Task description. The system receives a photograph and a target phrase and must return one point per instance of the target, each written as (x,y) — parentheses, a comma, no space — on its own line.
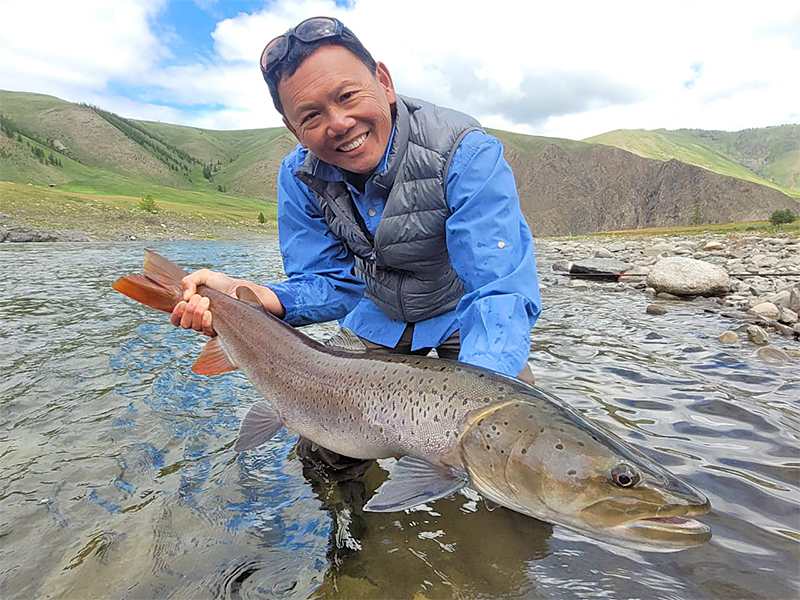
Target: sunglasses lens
(317,28)
(274,51)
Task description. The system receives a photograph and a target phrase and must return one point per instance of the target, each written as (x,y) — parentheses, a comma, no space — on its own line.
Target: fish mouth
(672,528)
(666,534)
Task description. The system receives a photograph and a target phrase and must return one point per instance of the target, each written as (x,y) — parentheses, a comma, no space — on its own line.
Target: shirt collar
(329,172)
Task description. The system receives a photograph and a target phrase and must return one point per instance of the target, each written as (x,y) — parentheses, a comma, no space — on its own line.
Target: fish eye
(625,476)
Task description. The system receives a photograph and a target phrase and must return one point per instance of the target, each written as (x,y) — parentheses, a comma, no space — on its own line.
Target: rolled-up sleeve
(491,249)
(321,285)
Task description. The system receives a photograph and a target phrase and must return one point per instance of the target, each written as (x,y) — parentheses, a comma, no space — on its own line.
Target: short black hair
(300,50)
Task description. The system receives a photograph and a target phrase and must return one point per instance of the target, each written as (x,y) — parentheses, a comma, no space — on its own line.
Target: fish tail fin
(158,286)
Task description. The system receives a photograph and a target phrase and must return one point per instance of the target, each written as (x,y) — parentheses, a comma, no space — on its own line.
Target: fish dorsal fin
(213,359)
(245,294)
(346,340)
(259,425)
(414,481)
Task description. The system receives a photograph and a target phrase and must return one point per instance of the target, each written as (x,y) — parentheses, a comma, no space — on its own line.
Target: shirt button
(371,212)
(501,245)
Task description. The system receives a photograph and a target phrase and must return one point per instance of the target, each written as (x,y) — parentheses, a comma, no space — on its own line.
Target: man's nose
(339,123)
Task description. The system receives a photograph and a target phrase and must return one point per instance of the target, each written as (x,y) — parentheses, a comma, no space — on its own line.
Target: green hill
(768,156)
(565,186)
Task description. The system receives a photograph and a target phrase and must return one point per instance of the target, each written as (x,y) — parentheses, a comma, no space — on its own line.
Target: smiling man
(396,216)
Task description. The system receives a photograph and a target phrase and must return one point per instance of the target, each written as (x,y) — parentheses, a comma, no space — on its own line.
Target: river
(118,478)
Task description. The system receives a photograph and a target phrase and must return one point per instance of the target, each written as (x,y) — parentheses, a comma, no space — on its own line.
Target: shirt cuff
(287,299)
(507,365)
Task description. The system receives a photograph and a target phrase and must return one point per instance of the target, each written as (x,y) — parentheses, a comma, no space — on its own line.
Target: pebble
(765,309)
(772,355)
(655,309)
(757,335)
(729,337)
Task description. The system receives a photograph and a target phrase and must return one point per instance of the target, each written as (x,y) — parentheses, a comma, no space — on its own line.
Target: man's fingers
(187,321)
(199,314)
(208,329)
(177,313)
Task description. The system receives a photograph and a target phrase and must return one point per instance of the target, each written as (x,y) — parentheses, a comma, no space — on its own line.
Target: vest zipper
(400,302)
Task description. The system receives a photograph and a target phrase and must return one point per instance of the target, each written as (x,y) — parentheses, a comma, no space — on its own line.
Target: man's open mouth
(354,144)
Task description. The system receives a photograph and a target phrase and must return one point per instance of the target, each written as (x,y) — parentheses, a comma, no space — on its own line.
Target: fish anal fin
(260,424)
(414,481)
(213,359)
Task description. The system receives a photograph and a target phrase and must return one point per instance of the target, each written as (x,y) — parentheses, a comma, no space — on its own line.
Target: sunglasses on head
(310,30)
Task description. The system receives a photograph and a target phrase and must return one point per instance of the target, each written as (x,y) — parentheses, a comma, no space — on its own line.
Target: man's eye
(347,96)
(308,117)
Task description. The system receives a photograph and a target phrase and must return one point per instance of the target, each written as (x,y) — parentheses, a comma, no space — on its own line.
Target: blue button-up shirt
(489,244)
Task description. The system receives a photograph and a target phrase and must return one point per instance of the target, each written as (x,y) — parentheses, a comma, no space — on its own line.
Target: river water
(118,478)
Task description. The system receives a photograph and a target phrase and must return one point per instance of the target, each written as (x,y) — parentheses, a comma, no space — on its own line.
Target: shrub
(780,217)
(147,203)
(262,218)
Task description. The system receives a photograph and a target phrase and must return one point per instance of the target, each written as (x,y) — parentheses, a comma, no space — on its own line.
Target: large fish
(453,424)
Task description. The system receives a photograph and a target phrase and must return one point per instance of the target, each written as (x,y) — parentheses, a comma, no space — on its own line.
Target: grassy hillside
(769,156)
(564,185)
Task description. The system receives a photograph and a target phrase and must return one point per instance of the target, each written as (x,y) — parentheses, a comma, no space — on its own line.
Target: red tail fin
(159,285)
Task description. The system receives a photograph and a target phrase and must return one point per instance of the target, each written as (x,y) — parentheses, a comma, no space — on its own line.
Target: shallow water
(118,478)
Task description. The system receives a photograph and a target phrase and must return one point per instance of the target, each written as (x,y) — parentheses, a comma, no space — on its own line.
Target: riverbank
(761,273)
(44,214)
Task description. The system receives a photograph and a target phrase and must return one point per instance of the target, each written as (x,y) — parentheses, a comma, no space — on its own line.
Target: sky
(558,69)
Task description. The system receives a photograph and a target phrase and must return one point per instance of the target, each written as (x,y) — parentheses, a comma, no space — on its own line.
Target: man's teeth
(354,144)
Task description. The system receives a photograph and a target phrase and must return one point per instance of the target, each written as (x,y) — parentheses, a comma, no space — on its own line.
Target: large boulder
(683,276)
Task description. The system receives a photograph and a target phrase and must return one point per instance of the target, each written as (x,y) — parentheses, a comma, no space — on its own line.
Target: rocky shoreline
(753,280)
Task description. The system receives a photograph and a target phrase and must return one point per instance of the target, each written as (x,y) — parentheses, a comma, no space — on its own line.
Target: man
(396,216)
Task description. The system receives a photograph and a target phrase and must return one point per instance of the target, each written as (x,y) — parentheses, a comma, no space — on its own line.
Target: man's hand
(193,312)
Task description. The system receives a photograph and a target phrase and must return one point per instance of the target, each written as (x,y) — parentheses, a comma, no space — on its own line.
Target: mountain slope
(596,188)
(565,186)
(769,156)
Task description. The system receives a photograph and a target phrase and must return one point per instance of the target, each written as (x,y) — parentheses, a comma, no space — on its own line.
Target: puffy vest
(406,267)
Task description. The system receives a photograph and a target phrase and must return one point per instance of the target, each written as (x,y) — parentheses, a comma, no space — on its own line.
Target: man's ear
(385,79)
(294,131)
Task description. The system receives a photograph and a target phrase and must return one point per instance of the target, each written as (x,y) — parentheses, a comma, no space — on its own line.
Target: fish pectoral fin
(412,482)
(346,339)
(213,359)
(259,425)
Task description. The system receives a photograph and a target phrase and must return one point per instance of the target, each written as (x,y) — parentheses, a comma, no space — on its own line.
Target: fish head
(538,457)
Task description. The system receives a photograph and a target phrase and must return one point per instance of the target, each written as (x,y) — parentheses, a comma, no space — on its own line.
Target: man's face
(339,110)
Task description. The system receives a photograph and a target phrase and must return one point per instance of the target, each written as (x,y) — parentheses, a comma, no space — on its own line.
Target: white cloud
(571,69)
(76,46)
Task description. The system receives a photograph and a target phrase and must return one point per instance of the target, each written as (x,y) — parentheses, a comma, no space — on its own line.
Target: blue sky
(569,69)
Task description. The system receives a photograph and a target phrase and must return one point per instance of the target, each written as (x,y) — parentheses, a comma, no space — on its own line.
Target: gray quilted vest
(406,267)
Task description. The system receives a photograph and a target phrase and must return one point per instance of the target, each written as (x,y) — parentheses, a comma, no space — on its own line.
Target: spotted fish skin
(363,405)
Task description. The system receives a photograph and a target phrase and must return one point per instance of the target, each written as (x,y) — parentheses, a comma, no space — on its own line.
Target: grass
(763,227)
(212,207)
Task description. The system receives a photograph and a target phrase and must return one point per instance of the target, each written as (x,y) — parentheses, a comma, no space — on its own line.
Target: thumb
(189,287)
